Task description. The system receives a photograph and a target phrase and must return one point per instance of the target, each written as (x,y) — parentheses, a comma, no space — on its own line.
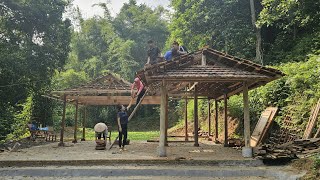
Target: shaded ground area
(137,150)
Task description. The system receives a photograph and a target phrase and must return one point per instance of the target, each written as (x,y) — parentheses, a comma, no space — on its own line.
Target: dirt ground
(136,150)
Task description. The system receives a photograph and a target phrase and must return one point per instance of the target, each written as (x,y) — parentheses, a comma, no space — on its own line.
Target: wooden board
(113,100)
(262,126)
(312,121)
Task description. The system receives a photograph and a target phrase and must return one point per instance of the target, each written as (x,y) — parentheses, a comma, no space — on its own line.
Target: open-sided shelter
(211,74)
(103,91)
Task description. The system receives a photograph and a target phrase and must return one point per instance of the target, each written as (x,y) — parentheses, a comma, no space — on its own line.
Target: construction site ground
(139,161)
(137,150)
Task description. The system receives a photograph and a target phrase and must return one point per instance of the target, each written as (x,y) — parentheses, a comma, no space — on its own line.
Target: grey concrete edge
(39,163)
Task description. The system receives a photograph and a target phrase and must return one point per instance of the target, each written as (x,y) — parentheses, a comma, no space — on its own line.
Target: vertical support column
(84,124)
(225,116)
(204,59)
(63,121)
(167,120)
(216,118)
(196,125)
(162,149)
(209,117)
(186,119)
(75,124)
(247,150)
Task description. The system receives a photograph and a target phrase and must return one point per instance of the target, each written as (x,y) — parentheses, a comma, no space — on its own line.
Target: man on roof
(153,53)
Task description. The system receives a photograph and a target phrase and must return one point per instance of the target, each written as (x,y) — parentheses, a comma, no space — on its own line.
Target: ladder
(131,115)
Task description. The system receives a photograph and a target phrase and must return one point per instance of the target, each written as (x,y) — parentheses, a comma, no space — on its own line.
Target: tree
(34,42)
(259,57)
(140,23)
(222,24)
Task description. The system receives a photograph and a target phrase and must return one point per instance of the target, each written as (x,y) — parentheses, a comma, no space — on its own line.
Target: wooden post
(75,124)
(196,126)
(84,124)
(246,116)
(209,117)
(186,119)
(63,121)
(216,118)
(167,120)
(162,148)
(204,59)
(225,120)
(247,150)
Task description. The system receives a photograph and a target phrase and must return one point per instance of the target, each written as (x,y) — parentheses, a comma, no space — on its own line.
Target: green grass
(132,135)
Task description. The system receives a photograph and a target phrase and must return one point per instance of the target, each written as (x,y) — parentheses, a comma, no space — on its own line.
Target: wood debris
(299,148)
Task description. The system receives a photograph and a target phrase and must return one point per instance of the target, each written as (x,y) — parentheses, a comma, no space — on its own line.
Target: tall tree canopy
(222,24)
(34,41)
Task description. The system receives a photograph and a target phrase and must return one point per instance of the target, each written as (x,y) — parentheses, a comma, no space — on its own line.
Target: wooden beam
(61,143)
(239,90)
(84,124)
(209,117)
(192,87)
(186,119)
(246,115)
(196,125)
(206,78)
(112,100)
(203,60)
(162,148)
(167,120)
(225,116)
(91,91)
(75,124)
(216,118)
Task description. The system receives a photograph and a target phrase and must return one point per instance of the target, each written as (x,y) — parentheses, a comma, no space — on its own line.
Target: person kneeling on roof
(178,50)
(101,129)
(140,90)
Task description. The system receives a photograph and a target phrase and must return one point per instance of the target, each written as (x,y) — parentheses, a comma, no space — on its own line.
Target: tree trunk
(258,33)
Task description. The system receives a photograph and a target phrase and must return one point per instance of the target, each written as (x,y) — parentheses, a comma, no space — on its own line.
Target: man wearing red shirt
(140,89)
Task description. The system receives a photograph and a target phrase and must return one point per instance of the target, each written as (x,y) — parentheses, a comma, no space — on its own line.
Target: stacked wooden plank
(298,148)
(100,144)
(262,126)
(312,122)
(286,133)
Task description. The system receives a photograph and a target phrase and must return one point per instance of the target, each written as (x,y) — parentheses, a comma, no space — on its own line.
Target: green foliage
(222,24)
(69,78)
(19,126)
(294,94)
(34,42)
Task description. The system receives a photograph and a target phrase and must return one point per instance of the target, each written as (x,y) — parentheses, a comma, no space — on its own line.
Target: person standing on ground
(122,120)
(153,53)
(140,90)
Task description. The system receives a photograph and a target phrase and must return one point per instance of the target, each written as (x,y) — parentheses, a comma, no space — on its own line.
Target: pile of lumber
(235,142)
(298,148)
(101,144)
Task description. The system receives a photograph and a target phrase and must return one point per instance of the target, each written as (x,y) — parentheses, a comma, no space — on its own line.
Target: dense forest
(48,45)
